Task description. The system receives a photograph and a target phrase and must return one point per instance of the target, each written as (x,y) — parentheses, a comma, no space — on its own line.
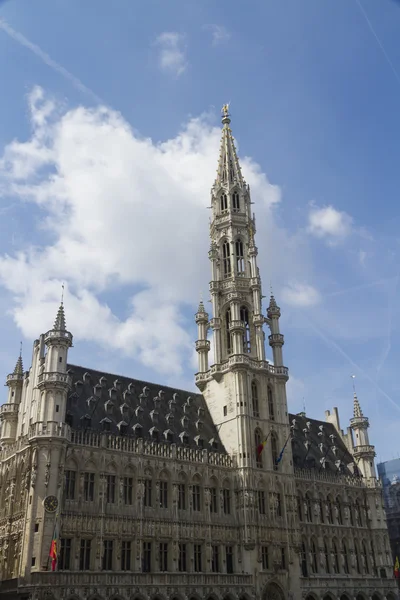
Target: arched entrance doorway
(273,592)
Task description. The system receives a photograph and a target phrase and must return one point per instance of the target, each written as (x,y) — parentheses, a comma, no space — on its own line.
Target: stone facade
(157,493)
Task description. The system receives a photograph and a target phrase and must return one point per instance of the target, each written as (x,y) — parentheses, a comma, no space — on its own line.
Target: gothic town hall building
(155,493)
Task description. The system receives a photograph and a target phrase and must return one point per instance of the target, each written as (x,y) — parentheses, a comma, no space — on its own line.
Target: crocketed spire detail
(59,323)
(228,172)
(357,408)
(19,368)
(201,308)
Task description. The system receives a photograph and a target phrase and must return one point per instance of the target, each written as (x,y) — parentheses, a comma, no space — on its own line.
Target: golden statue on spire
(225,110)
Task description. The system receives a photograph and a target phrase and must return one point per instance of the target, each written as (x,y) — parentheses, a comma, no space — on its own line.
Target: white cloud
(300,294)
(126,217)
(172,52)
(220,34)
(329,223)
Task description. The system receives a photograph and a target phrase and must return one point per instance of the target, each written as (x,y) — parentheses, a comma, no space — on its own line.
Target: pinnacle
(59,323)
(357,408)
(19,368)
(228,172)
(201,308)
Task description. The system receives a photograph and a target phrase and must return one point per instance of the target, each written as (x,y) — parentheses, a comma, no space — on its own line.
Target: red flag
(54,550)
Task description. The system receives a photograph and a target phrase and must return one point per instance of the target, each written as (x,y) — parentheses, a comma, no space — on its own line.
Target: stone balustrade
(50,429)
(55,378)
(314,475)
(9,409)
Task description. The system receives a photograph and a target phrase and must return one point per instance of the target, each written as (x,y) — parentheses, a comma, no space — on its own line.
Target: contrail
(336,347)
(21,39)
(381,46)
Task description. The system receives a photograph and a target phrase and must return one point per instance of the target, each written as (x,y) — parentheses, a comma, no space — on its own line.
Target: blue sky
(108,148)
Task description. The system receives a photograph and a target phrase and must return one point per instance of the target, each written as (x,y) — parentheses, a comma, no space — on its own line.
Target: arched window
(314,563)
(258,441)
(357,513)
(299,511)
(327,567)
(358,560)
(304,570)
(228,333)
(271,404)
(345,558)
(226,259)
(244,317)
(329,511)
(321,511)
(274,451)
(254,398)
(235,202)
(309,512)
(224,203)
(239,256)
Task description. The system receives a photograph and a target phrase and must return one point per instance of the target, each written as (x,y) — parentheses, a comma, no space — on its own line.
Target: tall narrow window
(163,494)
(235,202)
(261,502)
(88,487)
(278,500)
(271,404)
(84,555)
(258,441)
(111,489)
(229,559)
(224,202)
(64,561)
(321,511)
(182,558)
(329,511)
(264,557)
(274,451)
(126,556)
(254,399)
(107,555)
(70,478)
(239,256)
(128,490)
(215,559)
(146,565)
(228,333)
(226,259)
(196,497)
(227,501)
(336,568)
(244,317)
(365,557)
(163,556)
(327,569)
(339,511)
(213,500)
(309,514)
(197,558)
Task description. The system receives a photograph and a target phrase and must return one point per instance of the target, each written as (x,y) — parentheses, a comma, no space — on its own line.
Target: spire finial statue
(62,294)
(225,110)
(20,348)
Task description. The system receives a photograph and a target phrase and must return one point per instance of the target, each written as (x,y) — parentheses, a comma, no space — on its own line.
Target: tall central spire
(228,172)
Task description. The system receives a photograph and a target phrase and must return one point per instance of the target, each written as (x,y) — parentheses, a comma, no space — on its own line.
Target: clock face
(50,503)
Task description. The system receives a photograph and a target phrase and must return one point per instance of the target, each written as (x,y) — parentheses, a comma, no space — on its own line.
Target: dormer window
(138,430)
(184,438)
(154,416)
(224,203)
(200,412)
(117,384)
(108,407)
(112,392)
(78,386)
(86,421)
(123,427)
(127,395)
(199,425)
(161,394)
(131,387)
(146,391)
(90,402)
(69,419)
(169,418)
(156,402)
(139,412)
(124,408)
(199,442)
(172,405)
(155,434)
(86,377)
(175,396)
(184,421)
(235,202)
(97,389)
(106,424)
(103,381)
(213,444)
(169,436)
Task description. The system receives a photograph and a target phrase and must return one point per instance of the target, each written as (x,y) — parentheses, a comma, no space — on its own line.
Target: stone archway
(344,597)
(273,592)
(360,597)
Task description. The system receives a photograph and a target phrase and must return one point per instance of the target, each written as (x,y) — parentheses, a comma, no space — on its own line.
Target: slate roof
(121,405)
(316,442)
(103,402)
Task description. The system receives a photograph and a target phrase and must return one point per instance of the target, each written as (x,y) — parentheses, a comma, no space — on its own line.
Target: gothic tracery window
(226,259)
(224,203)
(239,256)
(258,441)
(235,202)
(254,398)
(228,333)
(314,563)
(271,404)
(274,451)
(244,317)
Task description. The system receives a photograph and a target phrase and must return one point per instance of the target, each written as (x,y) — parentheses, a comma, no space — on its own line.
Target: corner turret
(9,410)
(363,451)
(202,344)
(276,339)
